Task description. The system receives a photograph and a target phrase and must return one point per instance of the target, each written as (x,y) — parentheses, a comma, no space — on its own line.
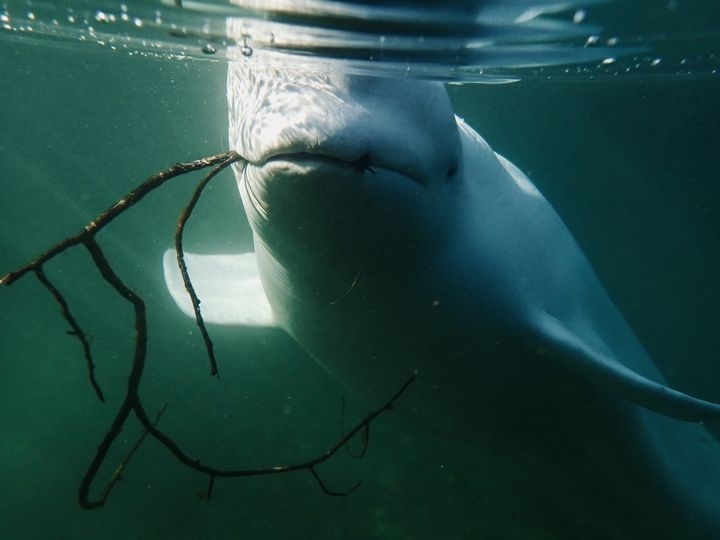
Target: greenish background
(631,165)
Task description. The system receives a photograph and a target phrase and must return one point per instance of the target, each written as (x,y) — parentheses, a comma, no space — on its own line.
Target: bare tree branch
(131,401)
(103,219)
(76,330)
(180,253)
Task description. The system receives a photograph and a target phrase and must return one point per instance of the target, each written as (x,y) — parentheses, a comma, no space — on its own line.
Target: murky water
(614,117)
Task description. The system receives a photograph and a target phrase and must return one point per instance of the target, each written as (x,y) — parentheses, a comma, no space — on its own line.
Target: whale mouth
(362,165)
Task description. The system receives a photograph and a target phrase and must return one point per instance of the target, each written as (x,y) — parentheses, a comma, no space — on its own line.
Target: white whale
(390,240)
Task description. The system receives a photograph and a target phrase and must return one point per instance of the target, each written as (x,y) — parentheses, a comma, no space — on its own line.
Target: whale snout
(405,126)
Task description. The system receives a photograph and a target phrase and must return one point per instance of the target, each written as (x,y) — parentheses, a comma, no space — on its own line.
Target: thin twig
(118,474)
(211,485)
(330,492)
(131,400)
(180,253)
(104,218)
(365,435)
(76,330)
(278,469)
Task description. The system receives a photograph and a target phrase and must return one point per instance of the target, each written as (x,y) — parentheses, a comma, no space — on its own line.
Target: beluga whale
(391,240)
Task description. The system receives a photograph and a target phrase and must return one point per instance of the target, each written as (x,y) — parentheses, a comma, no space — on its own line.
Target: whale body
(391,240)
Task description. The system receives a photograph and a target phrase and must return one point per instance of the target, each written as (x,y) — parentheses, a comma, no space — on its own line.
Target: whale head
(332,160)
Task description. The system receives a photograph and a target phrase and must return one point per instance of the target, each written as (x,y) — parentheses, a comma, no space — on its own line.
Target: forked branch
(131,401)
(135,196)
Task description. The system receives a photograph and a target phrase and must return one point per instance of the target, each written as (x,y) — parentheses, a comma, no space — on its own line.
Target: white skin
(390,240)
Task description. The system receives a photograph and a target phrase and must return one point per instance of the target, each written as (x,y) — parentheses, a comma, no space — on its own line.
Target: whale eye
(451,172)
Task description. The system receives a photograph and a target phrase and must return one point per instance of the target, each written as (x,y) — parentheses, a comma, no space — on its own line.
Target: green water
(631,166)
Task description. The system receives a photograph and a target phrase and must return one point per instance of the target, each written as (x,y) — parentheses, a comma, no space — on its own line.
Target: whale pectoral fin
(228,286)
(603,369)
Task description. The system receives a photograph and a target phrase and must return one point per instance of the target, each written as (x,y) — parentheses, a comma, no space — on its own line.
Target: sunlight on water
(490,41)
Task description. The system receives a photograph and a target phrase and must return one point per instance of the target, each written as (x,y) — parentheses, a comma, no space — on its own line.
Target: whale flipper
(604,369)
(228,286)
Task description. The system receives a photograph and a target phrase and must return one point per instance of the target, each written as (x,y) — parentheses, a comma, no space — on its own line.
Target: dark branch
(278,469)
(118,474)
(365,435)
(329,491)
(76,330)
(118,208)
(211,484)
(180,253)
(132,402)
